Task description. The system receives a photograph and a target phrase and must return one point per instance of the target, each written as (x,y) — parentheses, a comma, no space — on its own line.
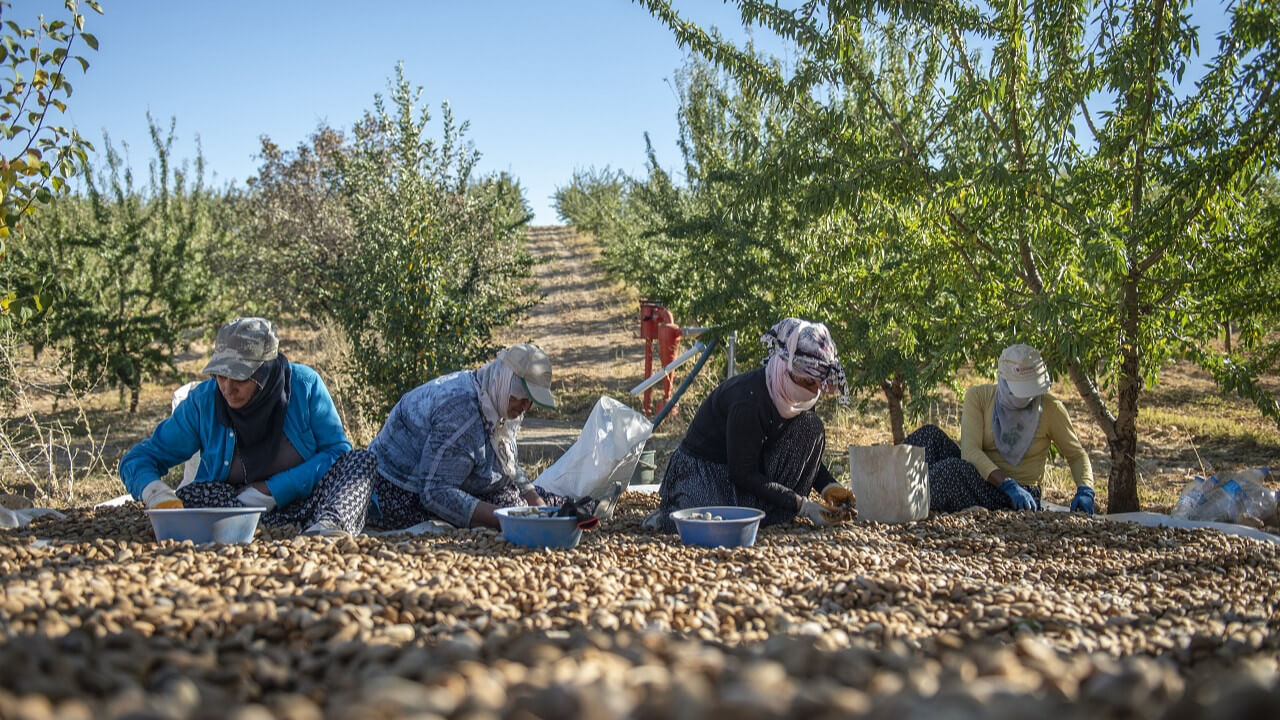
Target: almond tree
(1090,192)
(38,156)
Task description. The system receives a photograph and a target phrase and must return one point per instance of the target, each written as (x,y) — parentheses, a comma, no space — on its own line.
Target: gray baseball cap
(533,367)
(241,347)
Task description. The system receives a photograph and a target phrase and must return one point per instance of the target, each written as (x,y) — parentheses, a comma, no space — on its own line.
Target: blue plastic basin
(737,529)
(203,525)
(538,531)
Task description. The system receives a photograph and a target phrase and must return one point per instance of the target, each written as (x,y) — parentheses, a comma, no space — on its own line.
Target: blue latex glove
(1022,500)
(1083,501)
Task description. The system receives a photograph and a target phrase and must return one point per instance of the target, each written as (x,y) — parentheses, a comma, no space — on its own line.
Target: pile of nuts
(703,516)
(973,614)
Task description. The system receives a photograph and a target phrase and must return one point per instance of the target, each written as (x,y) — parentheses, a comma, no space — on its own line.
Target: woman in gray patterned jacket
(448,449)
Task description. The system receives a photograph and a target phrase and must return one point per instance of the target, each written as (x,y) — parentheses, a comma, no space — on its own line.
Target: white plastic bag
(890,482)
(600,462)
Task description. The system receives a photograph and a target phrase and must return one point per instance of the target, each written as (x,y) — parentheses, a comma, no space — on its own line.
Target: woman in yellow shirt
(1005,432)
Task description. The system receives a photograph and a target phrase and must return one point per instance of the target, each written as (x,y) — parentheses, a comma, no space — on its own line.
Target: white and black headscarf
(805,349)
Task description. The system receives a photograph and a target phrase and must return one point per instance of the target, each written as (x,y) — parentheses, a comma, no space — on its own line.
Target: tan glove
(840,503)
(836,495)
(159,496)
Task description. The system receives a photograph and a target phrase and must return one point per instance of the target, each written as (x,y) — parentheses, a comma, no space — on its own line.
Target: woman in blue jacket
(268,436)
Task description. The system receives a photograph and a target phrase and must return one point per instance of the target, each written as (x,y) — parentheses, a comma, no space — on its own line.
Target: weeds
(47,455)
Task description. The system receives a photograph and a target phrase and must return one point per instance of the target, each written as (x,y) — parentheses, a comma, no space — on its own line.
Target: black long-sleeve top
(734,426)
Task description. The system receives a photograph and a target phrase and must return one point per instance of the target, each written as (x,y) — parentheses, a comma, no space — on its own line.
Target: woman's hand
(159,496)
(1083,501)
(534,499)
(816,514)
(1018,495)
(836,495)
(257,495)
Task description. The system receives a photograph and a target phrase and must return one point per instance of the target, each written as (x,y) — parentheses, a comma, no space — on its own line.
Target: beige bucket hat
(533,367)
(1024,371)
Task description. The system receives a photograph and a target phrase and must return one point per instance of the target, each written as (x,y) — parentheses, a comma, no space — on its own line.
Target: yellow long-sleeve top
(978,440)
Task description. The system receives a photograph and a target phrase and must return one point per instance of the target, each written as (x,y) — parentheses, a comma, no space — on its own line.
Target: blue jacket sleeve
(331,442)
(174,440)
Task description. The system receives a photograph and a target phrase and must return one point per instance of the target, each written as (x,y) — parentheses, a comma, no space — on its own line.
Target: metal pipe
(671,366)
(688,380)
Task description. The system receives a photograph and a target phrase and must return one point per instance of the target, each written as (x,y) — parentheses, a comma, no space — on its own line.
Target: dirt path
(585,323)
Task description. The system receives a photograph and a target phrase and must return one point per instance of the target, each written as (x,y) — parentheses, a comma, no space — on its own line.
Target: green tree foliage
(439,263)
(594,200)
(747,219)
(296,236)
(37,156)
(1070,186)
(126,268)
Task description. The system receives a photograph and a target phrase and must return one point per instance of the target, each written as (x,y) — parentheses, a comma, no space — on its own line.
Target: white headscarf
(788,398)
(494,379)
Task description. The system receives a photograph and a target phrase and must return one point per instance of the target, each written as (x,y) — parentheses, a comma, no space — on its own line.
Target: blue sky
(547,86)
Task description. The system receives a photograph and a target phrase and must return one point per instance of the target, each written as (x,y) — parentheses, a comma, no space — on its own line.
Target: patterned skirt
(342,496)
(954,483)
(792,461)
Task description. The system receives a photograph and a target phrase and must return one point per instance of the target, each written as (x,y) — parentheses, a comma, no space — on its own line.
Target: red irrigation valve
(657,323)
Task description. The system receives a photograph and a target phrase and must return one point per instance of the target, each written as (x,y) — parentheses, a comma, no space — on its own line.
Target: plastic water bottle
(1191,497)
(1221,504)
(1259,500)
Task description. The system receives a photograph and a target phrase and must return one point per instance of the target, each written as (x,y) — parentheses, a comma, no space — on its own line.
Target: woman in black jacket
(756,441)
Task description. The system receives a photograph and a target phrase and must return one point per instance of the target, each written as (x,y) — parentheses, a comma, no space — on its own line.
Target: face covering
(788,398)
(1014,422)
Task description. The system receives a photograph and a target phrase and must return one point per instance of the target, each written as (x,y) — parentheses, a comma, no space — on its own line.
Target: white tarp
(1151,519)
(20,518)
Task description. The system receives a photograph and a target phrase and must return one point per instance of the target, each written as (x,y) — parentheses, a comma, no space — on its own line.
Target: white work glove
(159,496)
(815,512)
(253,497)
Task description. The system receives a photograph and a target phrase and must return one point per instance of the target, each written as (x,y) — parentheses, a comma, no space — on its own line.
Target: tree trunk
(1122,484)
(134,392)
(1226,335)
(893,393)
